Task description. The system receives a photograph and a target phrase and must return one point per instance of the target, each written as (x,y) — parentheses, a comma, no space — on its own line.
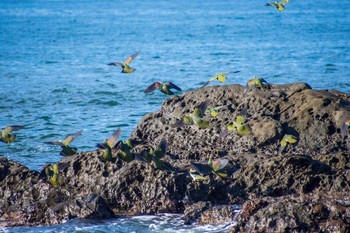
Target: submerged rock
(260,172)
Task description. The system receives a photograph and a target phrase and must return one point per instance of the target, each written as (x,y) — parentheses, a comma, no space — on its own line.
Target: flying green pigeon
(66,149)
(221,77)
(279,5)
(213,111)
(196,117)
(125,65)
(255,82)
(344,127)
(240,125)
(163,87)
(5,135)
(108,145)
(212,166)
(53,177)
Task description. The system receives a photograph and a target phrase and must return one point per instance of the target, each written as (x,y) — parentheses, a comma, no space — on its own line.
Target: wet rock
(261,174)
(316,212)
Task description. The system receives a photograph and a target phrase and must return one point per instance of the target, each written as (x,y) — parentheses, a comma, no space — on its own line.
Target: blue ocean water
(53,56)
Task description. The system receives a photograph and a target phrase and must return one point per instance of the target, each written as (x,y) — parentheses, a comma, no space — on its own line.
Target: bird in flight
(279,5)
(126,64)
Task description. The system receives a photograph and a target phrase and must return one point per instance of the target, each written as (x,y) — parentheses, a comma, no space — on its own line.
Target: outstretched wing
(112,141)
(284,2)
(219,164)
(151,88)
(205,84)
(11,128)
(202,107)
(163,145)
(202,168)
(115,64)
(55,143)
(70,138)
(343,130)
(172,85)
(129,59)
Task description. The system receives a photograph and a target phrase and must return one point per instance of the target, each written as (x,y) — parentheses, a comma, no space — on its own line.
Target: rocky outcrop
(261,174)
(313,212)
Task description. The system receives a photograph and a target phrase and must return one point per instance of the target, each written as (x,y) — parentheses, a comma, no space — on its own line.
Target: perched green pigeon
(255,82)
(196,117)
(108,145)
(212,166)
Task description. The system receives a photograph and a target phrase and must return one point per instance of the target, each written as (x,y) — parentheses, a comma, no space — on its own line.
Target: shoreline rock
(259,175)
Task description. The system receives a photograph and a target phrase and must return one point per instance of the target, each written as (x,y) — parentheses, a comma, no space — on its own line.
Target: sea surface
(54,77)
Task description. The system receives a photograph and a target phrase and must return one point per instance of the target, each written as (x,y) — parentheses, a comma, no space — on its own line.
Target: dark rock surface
(314,173)
(313,212)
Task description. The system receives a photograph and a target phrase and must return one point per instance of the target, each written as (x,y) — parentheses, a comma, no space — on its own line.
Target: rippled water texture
(167,223)
(53,56)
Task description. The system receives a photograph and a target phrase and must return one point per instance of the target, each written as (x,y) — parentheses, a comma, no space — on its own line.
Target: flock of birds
(198,117)
(124,149)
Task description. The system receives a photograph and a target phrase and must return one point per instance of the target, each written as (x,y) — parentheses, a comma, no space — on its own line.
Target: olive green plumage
(287,139)
(108,145)
(221,77)
(163,87)
(212,166)
(256,82)
(196,117)
(126,64)
(66,149)
(53,176)
(279,5)
(124,151)
(5,133)
(240,125)
(155,154)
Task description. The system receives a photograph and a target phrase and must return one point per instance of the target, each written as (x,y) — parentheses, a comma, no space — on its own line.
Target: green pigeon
(221,77)
(158,153)
(196,175)
(108,145)
(213,111)
(125,65)
(154,154)
(279,5)
(5,135)
(66,149)
(124,151)
(196,117)
(240,125)
(212,166)
(198,114)
(287,139)
(163,87)
(344,127)
(53,177)
(255,82)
